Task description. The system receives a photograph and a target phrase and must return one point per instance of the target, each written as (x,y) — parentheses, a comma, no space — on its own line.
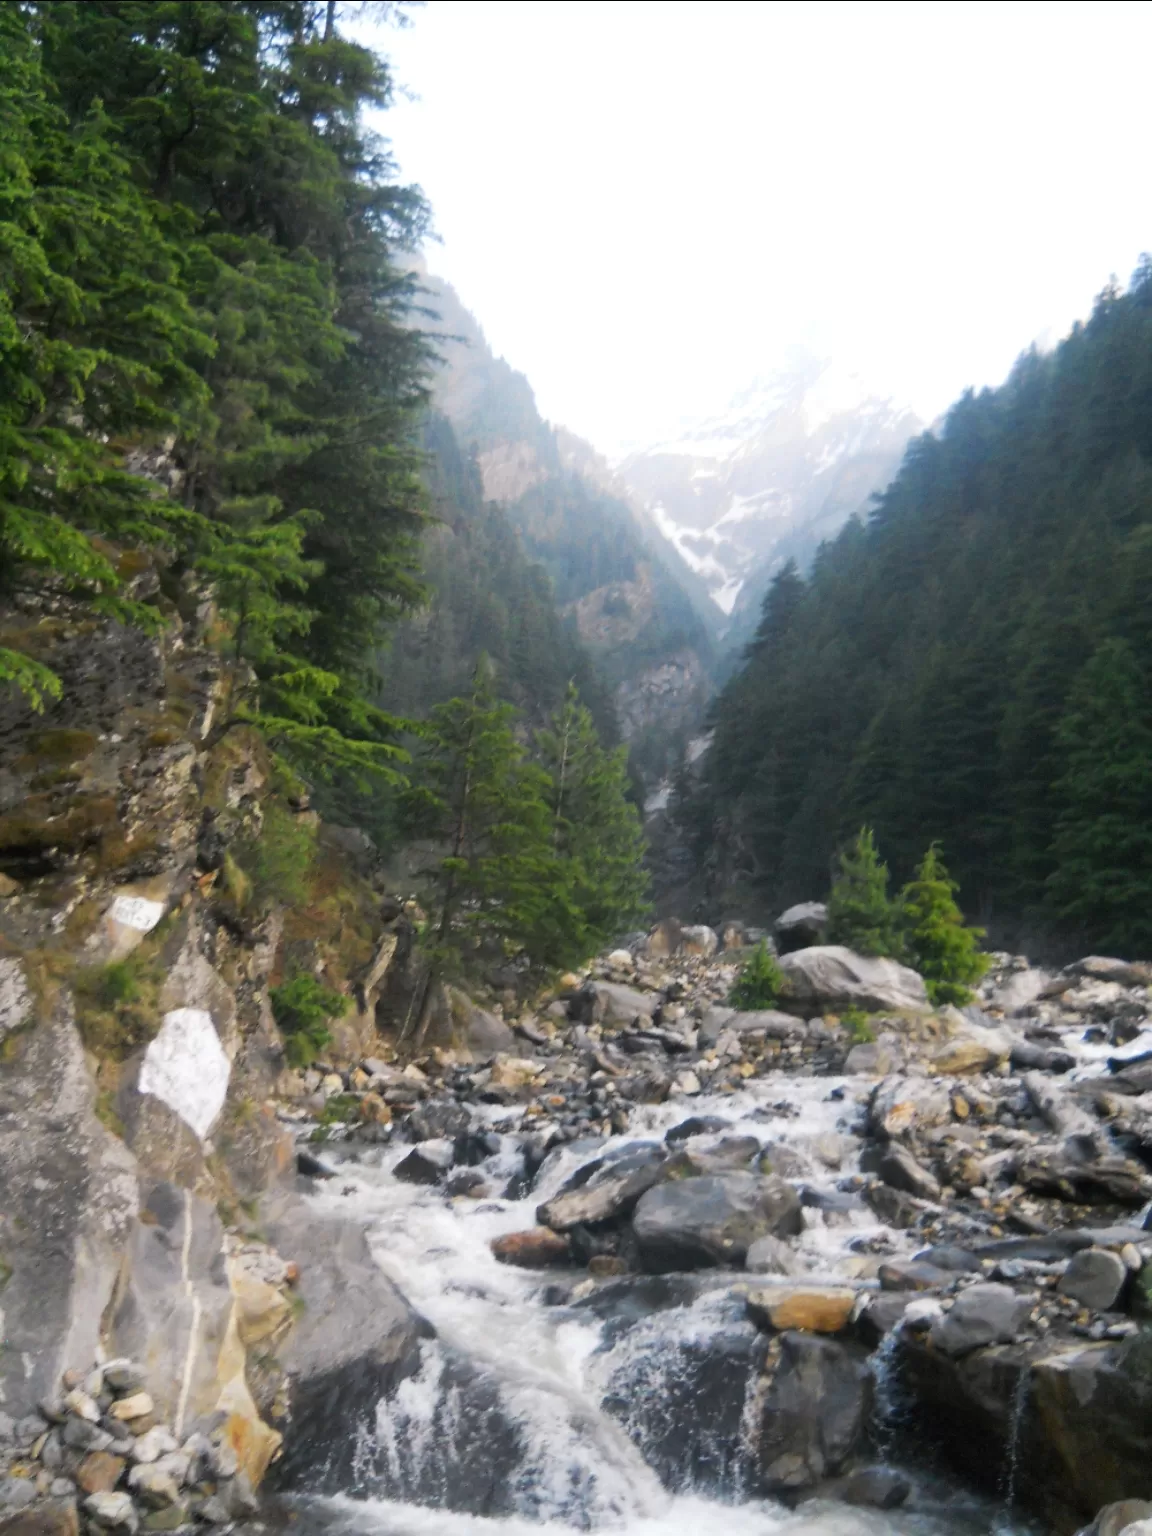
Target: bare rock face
(69,1199)
(827,977)
(810,1412)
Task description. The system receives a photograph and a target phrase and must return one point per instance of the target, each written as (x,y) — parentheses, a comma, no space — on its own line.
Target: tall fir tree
(860,914)
(595,829)
(497,882)
(935,940)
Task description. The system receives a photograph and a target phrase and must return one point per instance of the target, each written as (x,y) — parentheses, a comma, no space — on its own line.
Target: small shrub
(281,860)
(858,1025)
(302,1007)
(760,983)
(116,1010)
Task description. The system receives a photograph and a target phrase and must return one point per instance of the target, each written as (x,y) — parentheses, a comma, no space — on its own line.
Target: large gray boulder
(801,926)
(826,977)
(983,1314)
(608,1002)
(712,1220)
(753,1024)
(809,1416)
(353,1340)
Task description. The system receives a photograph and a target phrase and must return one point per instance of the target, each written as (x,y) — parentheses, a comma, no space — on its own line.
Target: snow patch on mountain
(789,460)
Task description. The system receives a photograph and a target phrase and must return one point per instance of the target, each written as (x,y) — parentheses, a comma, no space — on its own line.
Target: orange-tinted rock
(535,1249)
(806,1308)
(99,1472)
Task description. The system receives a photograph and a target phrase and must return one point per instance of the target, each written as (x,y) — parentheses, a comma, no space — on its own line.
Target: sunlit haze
(645,203)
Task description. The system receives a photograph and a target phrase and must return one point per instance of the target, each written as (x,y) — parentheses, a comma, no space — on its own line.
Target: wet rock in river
(535,1249)
(982,1314)
(900,1169)
(877,1488)
(712,1220)
(806,1308)
(1094,1277)
(809,1415)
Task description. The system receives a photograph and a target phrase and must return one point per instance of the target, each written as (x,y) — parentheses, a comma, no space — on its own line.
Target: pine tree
(498,884)
(1103,836)
(595,830)
(936,942)
(860,914)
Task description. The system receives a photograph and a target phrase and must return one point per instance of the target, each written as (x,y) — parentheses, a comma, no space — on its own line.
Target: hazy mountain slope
(783,468)
(623,591)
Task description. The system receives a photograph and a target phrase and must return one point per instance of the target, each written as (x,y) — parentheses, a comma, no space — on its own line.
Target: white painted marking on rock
(185,1067)
(136,912)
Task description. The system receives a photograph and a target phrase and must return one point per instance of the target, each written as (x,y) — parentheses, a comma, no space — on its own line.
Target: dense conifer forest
(970,664)
(214,394)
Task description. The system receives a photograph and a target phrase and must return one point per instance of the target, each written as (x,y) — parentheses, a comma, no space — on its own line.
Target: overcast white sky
(644,203)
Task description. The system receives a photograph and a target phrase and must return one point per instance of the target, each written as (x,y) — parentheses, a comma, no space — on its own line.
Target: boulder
(808,1416)
(970,1047)
(732,1155)
(1018,989)
(801,926)
(607,1002)
(900,1169)
(1121,1518)
(772,1256)
(806,1308)
(697,1125)
(427,1163)
(757,1023)
(354,1339)
(902,1105)
(1094,1277)
(699,940)
(983,1314)
(55,1519)
(913,1275)
(877,1488)
(112,1512)
(612,1190)
(535,1249)
(827,977)
(712,1220)
(99,1472)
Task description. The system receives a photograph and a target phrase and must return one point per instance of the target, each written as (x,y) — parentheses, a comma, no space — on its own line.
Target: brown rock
(57,1519)
(603,1265)
(99,1472)
(374,1111)
(806,1308)
(8,886)
(534,1249)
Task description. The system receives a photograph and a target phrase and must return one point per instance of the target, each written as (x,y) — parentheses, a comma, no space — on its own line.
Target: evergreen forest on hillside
(214,385)
(968,666)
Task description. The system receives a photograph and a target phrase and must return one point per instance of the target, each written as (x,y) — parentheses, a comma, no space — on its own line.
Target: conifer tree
(595,830)
(1103,837)
(497,880)
(860,914)
(936,942)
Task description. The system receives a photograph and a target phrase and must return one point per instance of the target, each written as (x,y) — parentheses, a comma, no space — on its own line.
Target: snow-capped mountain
(782,468)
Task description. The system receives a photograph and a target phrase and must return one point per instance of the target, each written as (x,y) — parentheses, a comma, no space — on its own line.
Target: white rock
(185,1067)
(830,976)
(15,998)
(136,912)
(621,958)
(113,1511)
(156,1442)
(82,1405)
(134,1407)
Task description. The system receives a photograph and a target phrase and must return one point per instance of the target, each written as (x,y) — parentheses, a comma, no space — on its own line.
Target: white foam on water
(552,1366)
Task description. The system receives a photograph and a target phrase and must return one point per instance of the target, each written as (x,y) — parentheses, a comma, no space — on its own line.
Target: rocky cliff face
(147,1180)
(638,608)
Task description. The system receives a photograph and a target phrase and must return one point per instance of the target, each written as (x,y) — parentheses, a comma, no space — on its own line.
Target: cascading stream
(595,1407)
